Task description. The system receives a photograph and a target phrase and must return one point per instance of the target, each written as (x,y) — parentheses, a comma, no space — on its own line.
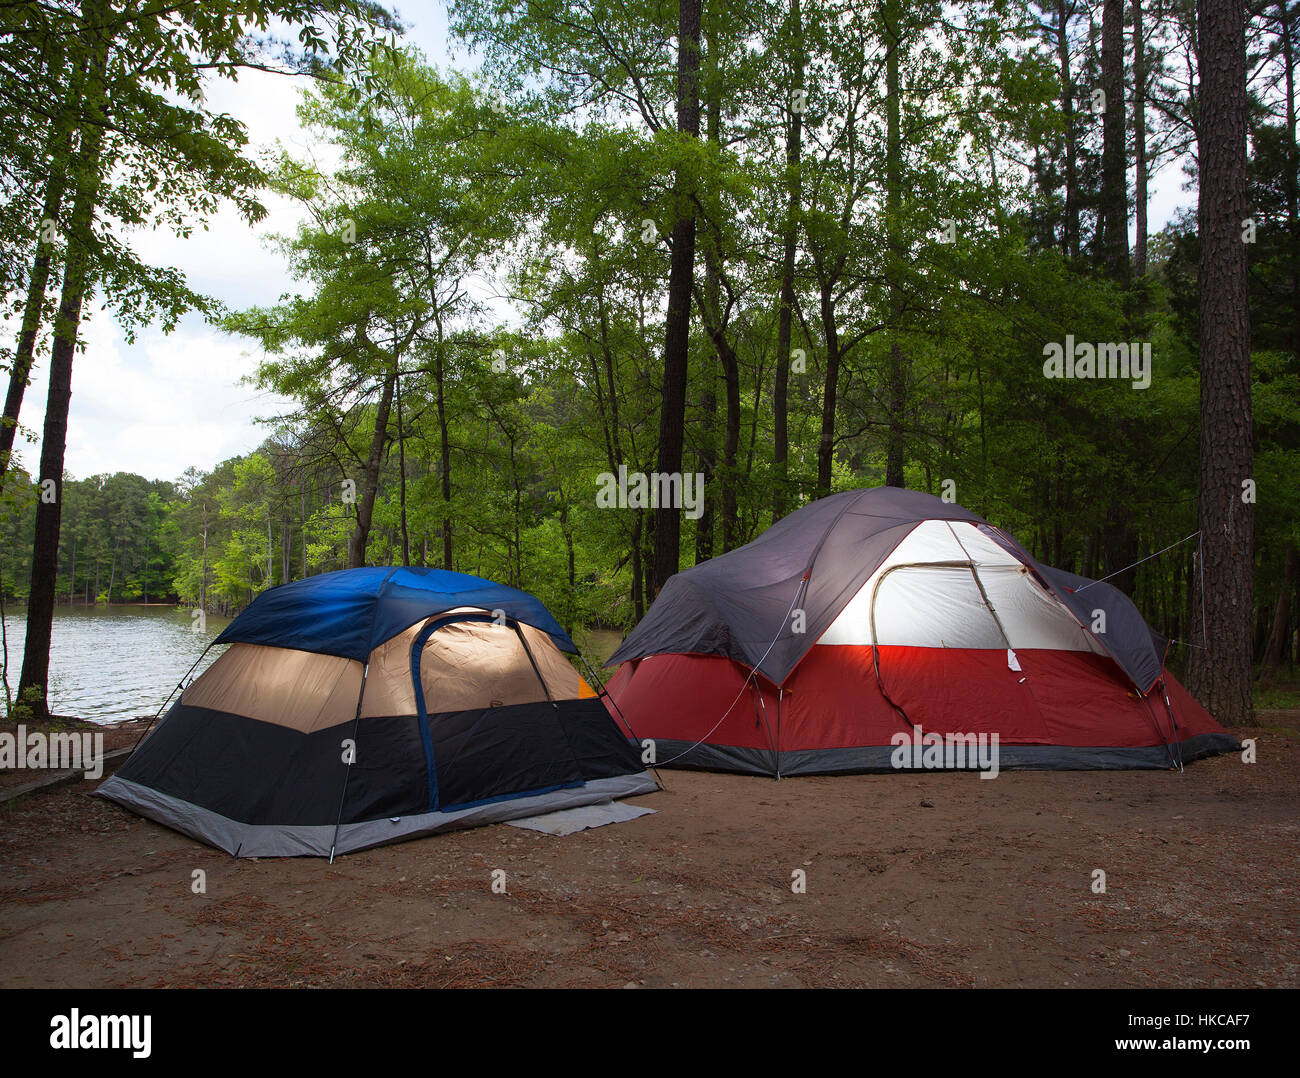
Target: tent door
(943,657)
(421,705)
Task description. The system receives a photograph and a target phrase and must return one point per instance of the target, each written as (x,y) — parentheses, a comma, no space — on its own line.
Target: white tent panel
(1031,616)
(978,547)
(934,608)
(942,606)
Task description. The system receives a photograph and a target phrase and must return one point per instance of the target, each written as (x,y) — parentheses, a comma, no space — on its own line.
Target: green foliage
(476,329)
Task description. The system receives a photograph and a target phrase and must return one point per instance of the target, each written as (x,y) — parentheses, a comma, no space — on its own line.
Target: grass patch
(1277,695)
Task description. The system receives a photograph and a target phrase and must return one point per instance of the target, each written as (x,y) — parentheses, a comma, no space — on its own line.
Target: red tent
(885,628)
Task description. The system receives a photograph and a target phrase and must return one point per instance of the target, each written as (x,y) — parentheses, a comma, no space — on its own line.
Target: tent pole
(1169,707)
(776,756)
(603,691)
(875,648)
(533,662)
(614,703)
(753,673)
(802,590)
(1173,726)
(1164,737)
(780,696)
(356,722)
(519,632)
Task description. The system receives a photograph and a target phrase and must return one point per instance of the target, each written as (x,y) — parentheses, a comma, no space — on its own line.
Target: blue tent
(371,705)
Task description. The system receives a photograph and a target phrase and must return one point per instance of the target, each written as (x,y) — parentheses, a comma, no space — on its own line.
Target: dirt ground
(912,880)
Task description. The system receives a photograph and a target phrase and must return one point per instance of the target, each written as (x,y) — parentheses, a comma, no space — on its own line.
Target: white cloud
(156,407)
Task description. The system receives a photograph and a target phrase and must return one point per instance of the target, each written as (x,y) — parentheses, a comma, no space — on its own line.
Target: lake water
(115,662)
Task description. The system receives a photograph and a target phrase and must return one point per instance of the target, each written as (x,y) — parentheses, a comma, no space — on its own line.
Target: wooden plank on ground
(67,776)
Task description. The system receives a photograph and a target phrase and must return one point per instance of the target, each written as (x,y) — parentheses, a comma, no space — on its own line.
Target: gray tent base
(879,758)
(266,840)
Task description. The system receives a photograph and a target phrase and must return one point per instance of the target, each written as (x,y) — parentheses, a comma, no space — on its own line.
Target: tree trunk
(1139,141)
(780,393)
(1070,228)
(1120,546)
(203,579)
(366,504)
(1113,211)
(1120,540)
(1220,675)
(23,356)
(648,557)
(681,274)
(444,443)
(706,460)
(34,679)
(1287,17)
(715,324)
(614,444)
(401,474)
(1275,651)
(567,532)
(60,149)
(894,445)
(826,443)
(731,443)
(731,439)
(638,581)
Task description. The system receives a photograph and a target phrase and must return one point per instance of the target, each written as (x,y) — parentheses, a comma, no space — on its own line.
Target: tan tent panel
(299,689)
(466,665)
(473,664)
(558,672)
(388,684)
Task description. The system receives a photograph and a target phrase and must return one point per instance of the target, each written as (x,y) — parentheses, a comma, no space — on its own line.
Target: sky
(164,403)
